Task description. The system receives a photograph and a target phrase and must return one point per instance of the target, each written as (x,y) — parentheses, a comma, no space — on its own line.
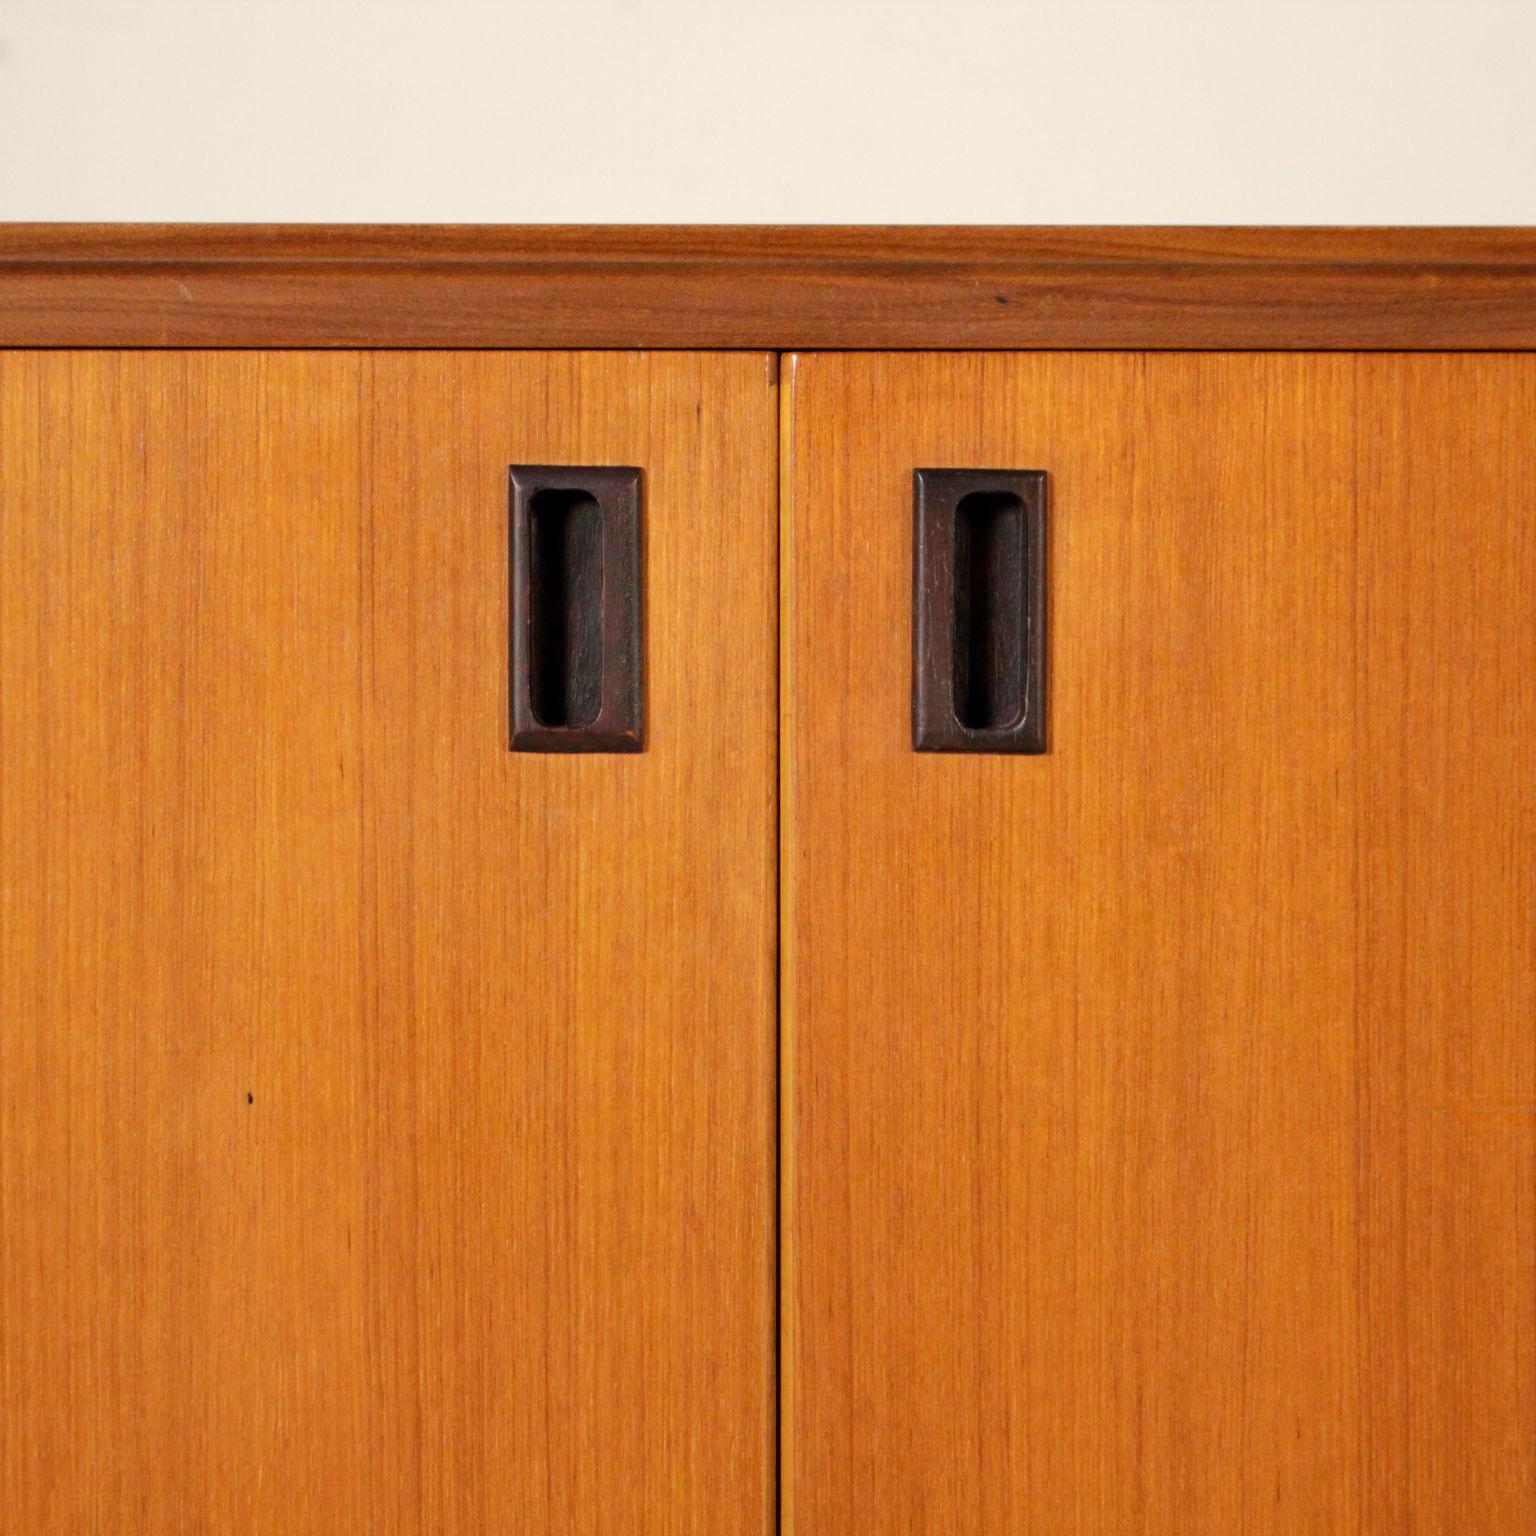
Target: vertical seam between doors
(782,1481)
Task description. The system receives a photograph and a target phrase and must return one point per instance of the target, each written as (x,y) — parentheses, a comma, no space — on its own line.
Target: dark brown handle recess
(978,610)
(577,651)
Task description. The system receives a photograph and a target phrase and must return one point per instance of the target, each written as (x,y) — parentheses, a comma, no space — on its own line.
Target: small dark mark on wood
(250,1098)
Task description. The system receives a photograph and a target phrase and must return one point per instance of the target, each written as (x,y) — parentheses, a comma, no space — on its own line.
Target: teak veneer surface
(1160,1121)
(386,1118)
(764,287)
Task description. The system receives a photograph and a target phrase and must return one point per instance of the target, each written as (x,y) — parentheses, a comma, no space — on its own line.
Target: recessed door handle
(978,610)
(576,648)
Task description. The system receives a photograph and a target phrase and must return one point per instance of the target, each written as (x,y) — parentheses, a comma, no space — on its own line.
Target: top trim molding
(763,287)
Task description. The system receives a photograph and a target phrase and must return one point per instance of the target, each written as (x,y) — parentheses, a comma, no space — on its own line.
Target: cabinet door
(385,1116)
(1161,1110)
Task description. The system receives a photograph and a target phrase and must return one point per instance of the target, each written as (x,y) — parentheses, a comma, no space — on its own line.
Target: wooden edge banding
(781,288)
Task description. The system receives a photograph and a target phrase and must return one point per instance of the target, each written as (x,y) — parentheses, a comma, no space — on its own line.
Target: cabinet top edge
(768,287)
(934,244)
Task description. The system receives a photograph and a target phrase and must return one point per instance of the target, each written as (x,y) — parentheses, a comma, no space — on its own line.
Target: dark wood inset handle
(577,649)
(978,610)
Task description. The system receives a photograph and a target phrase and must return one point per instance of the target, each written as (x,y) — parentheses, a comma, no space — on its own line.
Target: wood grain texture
(765,287)
(1160,1113)
(386,1118)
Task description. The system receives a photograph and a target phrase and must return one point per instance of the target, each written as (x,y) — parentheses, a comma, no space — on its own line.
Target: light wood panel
(386,1119)
(1160,1122)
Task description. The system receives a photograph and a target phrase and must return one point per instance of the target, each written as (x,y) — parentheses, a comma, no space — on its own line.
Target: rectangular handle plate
(978,610)
(576,645)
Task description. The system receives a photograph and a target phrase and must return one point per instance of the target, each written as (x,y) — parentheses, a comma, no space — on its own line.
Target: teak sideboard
(696,882)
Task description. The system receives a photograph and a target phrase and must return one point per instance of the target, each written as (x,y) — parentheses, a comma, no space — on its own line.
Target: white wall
(1123,111)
